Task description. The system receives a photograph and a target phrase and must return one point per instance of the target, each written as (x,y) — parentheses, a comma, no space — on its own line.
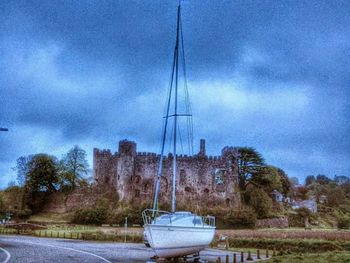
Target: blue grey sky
(273,75)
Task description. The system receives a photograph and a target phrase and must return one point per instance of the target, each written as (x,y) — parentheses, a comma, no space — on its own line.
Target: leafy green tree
(341,179)
(74,166)
(259,200)
(294,181)
(22,169)
(268,178)
(250,161)
(285,182)
(2,205)
(310,179)
(322,179)
(245,218)
(42,179)
(305,214)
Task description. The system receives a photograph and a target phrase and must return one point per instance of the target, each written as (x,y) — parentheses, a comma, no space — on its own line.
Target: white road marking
(67,248)
(8,255)
(80,251)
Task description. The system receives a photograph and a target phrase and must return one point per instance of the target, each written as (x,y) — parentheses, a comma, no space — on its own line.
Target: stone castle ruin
(201,179)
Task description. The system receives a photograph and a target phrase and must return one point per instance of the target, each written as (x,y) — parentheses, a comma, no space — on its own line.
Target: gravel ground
(33,249)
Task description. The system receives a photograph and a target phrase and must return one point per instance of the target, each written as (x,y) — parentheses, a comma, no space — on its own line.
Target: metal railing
(150,216)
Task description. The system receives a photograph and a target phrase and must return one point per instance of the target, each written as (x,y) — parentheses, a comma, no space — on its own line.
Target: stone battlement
(209,179)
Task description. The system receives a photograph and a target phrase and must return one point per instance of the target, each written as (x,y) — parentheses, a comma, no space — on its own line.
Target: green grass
(295,245)
(329,257)
(51,218)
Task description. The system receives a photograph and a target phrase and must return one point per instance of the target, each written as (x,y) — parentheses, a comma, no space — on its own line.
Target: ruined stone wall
(200,178)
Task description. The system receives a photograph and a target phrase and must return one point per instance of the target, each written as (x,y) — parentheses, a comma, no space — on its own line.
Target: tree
(322,179)
(294,181)
(286,184)
(42,179)
(249,162)
(310,179)
(341,179)
(301,192)
(304,213)
(22,169)
(268,178)
(259,200)
(74,166)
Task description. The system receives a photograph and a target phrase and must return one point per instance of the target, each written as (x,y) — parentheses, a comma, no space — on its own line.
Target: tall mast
(173,199)
(167,116)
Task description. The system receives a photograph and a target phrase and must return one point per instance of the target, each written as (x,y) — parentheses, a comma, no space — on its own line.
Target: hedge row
(300,246)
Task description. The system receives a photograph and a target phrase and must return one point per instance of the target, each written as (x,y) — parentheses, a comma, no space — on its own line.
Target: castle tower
(202,151)
(125,168)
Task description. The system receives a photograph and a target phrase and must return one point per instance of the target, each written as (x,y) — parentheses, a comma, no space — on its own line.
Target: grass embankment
(288,233)
(337,257)
(50,218)
(287,241)
(83,232)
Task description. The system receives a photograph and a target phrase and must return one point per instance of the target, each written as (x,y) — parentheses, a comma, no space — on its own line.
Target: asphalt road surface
(33,249)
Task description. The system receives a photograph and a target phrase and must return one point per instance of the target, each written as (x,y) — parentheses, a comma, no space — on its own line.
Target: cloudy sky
(269,74)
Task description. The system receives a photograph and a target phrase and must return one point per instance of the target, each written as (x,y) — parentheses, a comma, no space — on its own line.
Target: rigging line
(180,137)
(160,165)
(171,138)
(187,96)
(173,203)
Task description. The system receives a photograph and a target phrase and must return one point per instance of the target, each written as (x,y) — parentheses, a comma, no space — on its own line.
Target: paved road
(33,249)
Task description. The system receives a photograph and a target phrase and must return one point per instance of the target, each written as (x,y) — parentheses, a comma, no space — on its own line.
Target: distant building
(277,196)
(322,199)
(309,204)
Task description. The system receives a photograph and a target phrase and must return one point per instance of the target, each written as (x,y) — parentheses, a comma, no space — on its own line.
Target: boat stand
(195,258)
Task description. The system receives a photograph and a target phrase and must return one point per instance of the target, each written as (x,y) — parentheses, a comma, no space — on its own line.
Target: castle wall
(200,178)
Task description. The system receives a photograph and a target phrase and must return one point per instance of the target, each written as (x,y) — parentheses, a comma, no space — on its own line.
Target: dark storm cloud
(270,74)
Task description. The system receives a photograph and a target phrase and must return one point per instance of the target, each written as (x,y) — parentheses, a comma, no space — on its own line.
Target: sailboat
(176,233)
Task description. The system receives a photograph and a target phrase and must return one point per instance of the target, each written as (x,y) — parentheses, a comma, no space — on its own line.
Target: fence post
(258,254)
(227,259)
(267,253)
(249,256)
(234,258)
(242,256)
(218,260)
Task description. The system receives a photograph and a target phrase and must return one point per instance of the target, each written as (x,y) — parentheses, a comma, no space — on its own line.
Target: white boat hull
(176,241)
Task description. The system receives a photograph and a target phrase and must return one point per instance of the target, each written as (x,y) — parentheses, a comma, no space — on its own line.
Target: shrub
(295,220)
(92,215)
(343,222)
(259,200)
(299,246)
(241,219)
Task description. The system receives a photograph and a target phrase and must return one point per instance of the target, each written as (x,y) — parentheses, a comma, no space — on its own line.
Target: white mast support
(160,165)
(173,199)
